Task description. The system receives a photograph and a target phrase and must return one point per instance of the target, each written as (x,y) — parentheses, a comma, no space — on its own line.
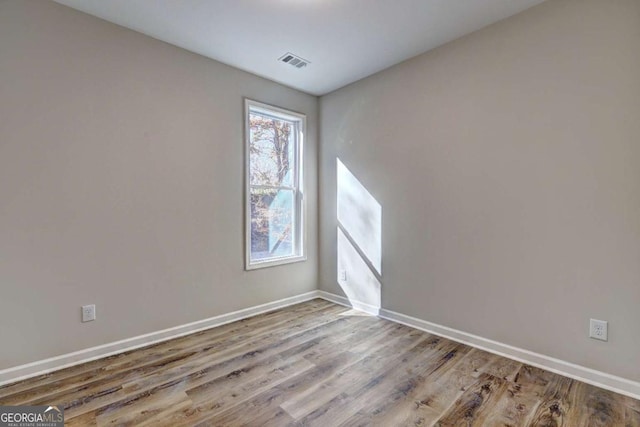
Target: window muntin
(275,204)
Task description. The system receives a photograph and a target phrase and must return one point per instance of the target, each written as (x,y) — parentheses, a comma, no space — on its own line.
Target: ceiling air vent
(293,60)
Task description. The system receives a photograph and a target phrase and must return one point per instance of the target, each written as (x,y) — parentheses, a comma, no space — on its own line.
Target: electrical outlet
(598,329)
(88,313)
(342,276)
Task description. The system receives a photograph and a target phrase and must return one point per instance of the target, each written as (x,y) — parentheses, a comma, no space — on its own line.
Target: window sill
(274,262)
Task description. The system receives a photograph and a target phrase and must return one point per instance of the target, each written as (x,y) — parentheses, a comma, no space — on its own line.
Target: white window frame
(300,228)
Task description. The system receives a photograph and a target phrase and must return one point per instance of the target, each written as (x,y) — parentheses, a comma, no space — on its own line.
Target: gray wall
(507,167)
(121,184)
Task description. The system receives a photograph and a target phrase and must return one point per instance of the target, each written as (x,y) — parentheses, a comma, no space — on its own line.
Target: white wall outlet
(598,329)
(342,275)
(88,313)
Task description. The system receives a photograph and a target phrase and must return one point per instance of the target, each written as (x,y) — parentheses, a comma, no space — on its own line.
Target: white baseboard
(41,367)
(590,376)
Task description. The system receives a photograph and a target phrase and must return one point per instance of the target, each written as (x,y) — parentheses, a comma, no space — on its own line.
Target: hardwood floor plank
(515,407)
(318,364)
(200,371)
(476,361)
(279,418)
(80,375)
(555,404)
(85,420)
(236,396)
(401,389)
(475,405)
(429,355)
(630,402)
(269,402)
(332,364)
(242,383)
(502,367)
(258,349)
(355,378)
(150,408)
(371,331)
(596,407)
(535,378)
(196,364)
(631,417)
(432,396)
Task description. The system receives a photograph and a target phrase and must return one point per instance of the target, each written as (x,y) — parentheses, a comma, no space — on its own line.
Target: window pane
(271,151)
(272,223)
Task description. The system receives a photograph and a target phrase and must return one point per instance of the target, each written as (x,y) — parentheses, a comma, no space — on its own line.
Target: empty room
(319,213)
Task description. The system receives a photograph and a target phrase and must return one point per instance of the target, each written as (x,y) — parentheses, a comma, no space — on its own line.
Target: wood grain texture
(318,364)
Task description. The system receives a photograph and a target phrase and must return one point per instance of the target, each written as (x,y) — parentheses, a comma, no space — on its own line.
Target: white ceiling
(345,40)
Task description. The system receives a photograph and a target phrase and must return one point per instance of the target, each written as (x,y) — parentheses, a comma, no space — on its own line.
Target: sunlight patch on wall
(360,215)
(361,283)
(359,240)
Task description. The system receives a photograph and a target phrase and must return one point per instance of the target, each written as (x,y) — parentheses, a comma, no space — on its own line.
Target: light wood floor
(318,364)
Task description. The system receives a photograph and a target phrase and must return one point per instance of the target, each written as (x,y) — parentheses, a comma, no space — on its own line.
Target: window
(274,193)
